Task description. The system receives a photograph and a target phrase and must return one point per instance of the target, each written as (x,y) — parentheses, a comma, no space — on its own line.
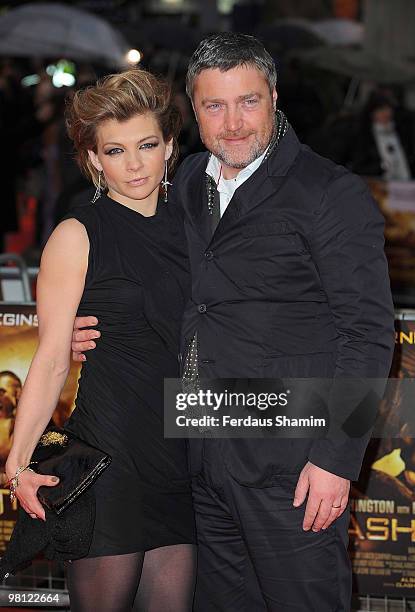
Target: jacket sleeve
(348,250)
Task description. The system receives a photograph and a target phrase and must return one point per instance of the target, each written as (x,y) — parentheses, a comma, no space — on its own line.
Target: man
(383,144)
(289,280)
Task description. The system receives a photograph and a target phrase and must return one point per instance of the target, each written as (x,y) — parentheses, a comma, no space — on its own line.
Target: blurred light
(226,6)
(172,6)
(63,73)
(62,79)
(133,56)
(50,70)
(30,79)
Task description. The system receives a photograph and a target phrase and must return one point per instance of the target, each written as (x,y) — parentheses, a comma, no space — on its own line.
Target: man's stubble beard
(257,148)
(255,151)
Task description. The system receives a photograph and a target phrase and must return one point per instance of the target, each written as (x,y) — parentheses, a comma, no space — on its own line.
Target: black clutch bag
(76,463)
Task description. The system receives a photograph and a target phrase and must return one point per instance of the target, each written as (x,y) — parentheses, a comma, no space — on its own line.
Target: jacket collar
(283,156)
(262,184)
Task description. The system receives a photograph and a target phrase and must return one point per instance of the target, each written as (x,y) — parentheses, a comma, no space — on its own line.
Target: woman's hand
(26,492)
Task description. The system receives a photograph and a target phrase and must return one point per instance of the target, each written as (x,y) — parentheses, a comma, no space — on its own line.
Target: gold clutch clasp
(53,437)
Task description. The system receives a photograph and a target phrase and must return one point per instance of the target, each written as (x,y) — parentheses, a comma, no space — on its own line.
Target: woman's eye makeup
(145,145)
(149,145)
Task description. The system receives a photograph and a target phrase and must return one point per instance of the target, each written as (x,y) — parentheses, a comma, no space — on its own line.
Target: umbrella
(338,31)
(287,34)
(299,33)
(165,33)
(52,29)
(357,64)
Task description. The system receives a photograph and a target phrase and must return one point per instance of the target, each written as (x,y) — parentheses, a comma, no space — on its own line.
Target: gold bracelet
(13,483)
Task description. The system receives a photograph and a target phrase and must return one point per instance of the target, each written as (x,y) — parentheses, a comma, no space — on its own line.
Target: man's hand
(328,496)
(83,339)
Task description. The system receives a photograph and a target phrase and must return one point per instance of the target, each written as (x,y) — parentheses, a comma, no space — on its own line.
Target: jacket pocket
(266,229)
(273,242)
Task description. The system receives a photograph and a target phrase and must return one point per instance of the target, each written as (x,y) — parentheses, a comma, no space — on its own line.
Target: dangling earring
(97,193)
(165,183)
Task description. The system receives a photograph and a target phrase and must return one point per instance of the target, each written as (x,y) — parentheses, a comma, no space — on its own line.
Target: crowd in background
(37,159)
(375,136)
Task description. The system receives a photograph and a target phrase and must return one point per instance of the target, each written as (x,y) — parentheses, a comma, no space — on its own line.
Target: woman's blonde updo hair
(121,97)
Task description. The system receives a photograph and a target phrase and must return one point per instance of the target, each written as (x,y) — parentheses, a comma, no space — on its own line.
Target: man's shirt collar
(214,166)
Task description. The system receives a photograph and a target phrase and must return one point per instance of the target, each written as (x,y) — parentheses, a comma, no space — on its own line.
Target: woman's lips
(138,181)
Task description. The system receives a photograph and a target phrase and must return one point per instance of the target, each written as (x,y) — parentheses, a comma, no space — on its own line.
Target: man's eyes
(214,106)
(250,102)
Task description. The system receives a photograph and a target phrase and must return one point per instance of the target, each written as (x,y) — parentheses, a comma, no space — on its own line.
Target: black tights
(158,580)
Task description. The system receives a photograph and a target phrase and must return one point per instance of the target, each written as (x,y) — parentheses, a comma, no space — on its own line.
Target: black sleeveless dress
(137,285)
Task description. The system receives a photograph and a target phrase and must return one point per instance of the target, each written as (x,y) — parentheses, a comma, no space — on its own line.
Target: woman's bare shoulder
(68,244)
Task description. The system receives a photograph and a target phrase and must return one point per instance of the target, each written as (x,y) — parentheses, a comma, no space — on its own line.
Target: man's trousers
(254,555)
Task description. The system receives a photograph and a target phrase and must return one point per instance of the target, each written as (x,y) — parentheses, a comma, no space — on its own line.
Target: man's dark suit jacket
(293,283)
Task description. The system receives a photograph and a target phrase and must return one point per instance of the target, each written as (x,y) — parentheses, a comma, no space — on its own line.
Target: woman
(122,258)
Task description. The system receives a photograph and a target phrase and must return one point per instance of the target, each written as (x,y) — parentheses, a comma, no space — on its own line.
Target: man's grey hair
(229,50)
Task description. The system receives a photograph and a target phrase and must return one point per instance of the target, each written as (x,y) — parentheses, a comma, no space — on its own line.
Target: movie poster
(18,341)
(396,200)
(382,528)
